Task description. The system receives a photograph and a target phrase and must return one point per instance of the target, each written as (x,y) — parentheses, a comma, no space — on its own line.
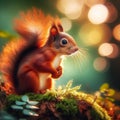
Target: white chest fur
(44,76)
(56,62)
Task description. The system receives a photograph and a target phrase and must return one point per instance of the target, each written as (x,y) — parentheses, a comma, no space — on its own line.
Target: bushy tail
(34,23)
(8,61)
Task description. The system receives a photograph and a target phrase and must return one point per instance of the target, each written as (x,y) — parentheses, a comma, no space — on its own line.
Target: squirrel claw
(58,73)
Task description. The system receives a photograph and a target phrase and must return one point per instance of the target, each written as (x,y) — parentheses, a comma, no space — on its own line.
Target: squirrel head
(62,42)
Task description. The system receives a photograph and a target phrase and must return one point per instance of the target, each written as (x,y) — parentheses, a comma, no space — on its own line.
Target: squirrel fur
(31,62)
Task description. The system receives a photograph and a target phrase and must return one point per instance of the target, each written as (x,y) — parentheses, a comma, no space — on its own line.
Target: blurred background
(95,25)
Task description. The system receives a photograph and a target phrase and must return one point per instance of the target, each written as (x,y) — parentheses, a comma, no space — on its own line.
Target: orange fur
(7,62)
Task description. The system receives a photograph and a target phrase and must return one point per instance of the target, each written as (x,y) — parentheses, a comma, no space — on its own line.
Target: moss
(12,98)
(69,106)
(61,104)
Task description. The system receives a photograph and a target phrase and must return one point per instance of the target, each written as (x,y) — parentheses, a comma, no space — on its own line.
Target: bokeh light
(66,23)
(98,14)
(105,49)
(115,52)
(92,35)
(72,9)
(116,32)
(90,3)
(109,50)
(84,15)
(100,64)
(113,13)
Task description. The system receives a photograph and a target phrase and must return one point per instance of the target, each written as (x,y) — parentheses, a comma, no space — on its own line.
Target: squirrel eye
(64,41)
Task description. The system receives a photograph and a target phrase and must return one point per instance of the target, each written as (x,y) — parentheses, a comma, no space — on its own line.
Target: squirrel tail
(34,23)
(8,60)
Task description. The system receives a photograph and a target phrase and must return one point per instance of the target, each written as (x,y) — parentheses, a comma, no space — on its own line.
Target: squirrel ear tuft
(54,31)
(60,27)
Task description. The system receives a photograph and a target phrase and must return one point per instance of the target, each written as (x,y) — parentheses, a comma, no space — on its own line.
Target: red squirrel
(30,63)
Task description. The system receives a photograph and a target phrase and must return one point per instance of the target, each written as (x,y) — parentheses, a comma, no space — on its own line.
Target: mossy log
(64,103)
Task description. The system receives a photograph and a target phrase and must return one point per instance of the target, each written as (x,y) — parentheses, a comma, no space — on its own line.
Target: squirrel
(32,62)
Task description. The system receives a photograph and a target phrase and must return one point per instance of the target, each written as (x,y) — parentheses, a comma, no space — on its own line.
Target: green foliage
(26,106)
(12,98)
(69,106)
(99,113)
(65,92)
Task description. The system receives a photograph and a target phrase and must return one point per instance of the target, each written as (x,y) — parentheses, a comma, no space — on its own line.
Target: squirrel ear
(54,31)
(60,27)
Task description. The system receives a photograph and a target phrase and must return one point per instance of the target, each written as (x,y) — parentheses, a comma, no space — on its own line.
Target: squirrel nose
(74,49)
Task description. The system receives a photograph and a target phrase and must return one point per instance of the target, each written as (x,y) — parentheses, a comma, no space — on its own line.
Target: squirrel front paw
(58,72)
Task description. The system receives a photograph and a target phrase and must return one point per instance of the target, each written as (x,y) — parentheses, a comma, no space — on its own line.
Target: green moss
(69,101)
(69,106)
